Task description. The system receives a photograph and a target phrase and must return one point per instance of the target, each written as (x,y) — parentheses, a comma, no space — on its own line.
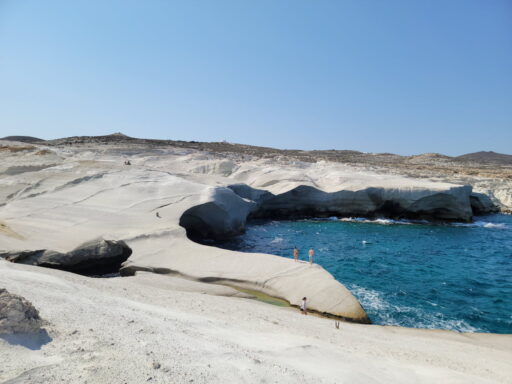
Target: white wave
(482,224)
(374,303)
(494,225)
(380,221)
(370,299)
(476,224)
(277,240)
(331,218)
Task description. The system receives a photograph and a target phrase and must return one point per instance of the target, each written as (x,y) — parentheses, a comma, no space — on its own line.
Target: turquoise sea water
(456,276)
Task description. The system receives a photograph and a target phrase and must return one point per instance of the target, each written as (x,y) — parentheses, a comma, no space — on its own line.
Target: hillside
(23,139)
(487,157)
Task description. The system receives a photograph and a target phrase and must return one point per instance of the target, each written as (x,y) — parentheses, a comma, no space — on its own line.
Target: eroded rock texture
(93,257)
(17,315)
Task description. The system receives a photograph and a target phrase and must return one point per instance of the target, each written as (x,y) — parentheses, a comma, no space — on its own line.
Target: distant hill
(486,157)
(23,139)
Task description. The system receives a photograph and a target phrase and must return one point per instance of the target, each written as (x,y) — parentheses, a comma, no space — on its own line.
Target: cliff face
(450,204)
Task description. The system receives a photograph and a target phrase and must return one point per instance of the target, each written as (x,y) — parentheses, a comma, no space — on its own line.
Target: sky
(400,76)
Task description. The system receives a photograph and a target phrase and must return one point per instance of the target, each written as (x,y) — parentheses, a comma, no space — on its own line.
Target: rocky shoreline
(58,195)
(82,189)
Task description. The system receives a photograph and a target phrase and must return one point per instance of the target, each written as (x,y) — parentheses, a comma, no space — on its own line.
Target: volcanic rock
(93,257)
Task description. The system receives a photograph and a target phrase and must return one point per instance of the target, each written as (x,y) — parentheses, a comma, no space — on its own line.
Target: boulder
(17,314)
(94,257)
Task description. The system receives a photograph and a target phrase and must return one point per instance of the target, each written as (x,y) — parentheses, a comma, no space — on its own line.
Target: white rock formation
(68,195)
(120,329)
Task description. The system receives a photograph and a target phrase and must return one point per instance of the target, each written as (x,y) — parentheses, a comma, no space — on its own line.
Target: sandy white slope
(114,330)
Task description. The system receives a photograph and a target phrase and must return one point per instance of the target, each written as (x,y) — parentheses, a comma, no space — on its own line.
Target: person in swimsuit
(303,306)
(295,254)
(311,254)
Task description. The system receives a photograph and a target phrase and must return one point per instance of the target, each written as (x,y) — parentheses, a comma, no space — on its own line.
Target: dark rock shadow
(33,341)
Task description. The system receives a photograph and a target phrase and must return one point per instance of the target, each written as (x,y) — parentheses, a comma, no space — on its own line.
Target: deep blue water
(456,276)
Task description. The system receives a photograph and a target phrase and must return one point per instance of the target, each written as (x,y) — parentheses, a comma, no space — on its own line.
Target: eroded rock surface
(17,315)
(482,204)
(86,191)
(93,257)
(222,217)
(414,203)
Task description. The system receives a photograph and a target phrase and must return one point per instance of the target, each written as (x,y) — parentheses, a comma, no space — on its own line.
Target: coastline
(85,193)
(405,273)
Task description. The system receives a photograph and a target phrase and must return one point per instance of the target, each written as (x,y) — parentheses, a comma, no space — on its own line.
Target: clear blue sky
(378,76)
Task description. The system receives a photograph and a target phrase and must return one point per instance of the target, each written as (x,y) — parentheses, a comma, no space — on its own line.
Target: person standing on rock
(295,254)
(303,306)
(311,254)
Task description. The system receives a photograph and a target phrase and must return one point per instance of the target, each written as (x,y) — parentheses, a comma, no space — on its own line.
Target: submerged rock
(17,314)
(94,257)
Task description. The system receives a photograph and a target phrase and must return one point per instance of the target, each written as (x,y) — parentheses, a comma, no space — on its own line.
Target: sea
(454,276)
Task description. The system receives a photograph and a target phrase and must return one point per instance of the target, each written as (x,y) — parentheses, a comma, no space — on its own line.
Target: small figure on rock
(311,254)
(158,215)
(295,254)
(303,306)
